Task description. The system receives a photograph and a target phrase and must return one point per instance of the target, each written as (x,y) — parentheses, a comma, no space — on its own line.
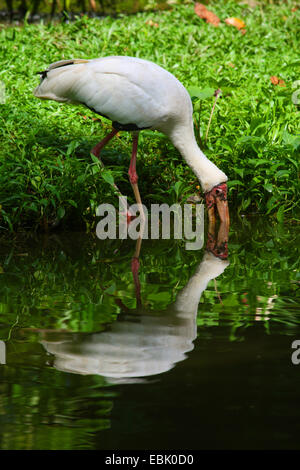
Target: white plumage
(136,94)
(151,344)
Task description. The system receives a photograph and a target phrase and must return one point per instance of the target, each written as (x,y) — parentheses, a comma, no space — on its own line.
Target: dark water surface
(199,358)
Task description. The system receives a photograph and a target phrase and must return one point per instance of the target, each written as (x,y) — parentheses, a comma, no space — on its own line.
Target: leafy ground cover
(34,9)
(47,175)
(76,282)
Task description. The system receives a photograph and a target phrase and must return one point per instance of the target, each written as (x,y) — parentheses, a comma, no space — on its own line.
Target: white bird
(142,345)
(137,94)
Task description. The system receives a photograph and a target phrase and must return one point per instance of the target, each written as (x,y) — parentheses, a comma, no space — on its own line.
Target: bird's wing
(121,100)
(125,89)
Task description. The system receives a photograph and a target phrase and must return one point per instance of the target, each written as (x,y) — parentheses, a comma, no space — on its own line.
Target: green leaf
(73,203)
(176,187)
(33,207)
(44,202)
(280,214)
(232,183)
(61,212)
(268,187)
(72,146)
(282,173)
(239,171)
(290,139)
(201,94)
(262,161)
(111,289)
(80,178)
(246,203)
(95,159)
(272,203)
(108,177)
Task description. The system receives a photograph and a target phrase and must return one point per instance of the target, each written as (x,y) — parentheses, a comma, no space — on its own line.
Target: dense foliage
(78,283)
(33,9)
(66,287)
(47,175)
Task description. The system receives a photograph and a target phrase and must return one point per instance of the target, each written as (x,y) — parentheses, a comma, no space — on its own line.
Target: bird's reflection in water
(142,343)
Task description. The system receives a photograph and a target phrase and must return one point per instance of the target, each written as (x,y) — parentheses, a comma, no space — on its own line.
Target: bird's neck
(206,171)
(188,299)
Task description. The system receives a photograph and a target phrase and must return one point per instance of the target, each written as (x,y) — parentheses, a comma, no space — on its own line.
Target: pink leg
(97,149)
(133,177)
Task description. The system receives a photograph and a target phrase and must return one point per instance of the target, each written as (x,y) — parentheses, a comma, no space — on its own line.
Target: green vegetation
(75,282)
(67,286)
(47,175)
(66,8)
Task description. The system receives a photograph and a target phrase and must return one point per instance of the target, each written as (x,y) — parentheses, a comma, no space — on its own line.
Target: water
(196,356)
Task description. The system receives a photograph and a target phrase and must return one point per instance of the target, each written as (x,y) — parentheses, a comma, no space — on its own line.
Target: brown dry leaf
(277,81)
(274,80)
(93,5)
(236,22)
(89,117)
(151,23)
(206,15)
